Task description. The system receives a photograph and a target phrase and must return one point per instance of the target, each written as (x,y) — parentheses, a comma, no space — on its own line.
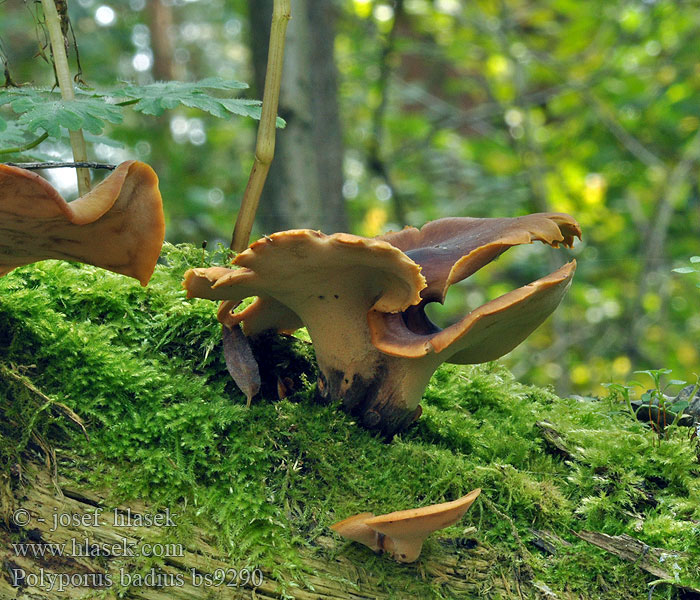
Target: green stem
(265,144)
(58,49)
(25,147)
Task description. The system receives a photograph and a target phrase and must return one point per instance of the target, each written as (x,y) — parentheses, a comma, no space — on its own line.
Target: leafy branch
(43,112)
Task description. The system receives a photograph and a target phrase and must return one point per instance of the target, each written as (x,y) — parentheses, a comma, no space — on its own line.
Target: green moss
(144,370)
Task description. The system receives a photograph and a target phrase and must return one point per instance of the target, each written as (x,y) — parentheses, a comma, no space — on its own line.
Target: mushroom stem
(381,381)
(385,398)
(60,61)
(265,144)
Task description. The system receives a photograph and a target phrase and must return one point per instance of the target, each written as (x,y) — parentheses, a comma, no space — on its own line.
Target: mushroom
(118,226)
(362,301)
(403,532)
(356,529)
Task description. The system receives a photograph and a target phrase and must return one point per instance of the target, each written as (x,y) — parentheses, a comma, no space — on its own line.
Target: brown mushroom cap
(354,528)
(300,264)
(403,532)
(373,268)
(304,277)
(119,225)
(362,301)
(451,249)
(486,333)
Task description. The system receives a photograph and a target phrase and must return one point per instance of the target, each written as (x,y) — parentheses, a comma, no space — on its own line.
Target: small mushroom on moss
(402,533)
(118,226)
(362,301)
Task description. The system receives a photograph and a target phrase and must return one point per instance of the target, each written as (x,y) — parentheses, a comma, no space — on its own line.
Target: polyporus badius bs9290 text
(363,302)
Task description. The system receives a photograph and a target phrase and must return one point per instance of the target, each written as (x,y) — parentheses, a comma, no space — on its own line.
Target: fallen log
(101,546)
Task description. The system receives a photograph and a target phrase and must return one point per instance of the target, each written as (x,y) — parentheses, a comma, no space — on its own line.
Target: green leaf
(156,98)
(40,112)
(684,270)
(249,108)
(14,135)
(679,406)
(695,259)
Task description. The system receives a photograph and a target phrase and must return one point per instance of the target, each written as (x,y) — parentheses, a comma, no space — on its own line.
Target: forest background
(402,112)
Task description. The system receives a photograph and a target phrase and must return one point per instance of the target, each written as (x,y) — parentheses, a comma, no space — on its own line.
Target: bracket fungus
(362,301)
(118,226)
(402,533)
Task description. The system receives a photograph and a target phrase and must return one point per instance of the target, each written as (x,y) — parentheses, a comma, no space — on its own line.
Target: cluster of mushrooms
(362,300)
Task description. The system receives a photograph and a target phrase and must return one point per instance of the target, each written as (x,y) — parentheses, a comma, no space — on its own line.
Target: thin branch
(60,165)
(604,113)
(25,147)
(667,202)
(265,144)
(49,402)
(58,49)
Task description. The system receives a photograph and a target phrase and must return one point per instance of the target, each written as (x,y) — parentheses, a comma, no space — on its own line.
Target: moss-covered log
(141,370)
(194,568)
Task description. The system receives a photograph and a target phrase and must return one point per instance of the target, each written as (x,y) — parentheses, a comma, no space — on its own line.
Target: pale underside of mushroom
(401,533)
(362,301)
(118,226)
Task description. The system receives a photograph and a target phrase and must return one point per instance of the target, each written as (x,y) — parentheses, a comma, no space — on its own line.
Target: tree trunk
(304,187)
(160,23)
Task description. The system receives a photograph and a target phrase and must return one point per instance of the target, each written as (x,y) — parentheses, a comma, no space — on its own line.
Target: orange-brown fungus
(402,533)
(118,226)
(362,301)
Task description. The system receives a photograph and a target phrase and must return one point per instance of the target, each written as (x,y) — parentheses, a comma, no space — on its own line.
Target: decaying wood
(554,439)
(334,571)
(650,559)
(548,541)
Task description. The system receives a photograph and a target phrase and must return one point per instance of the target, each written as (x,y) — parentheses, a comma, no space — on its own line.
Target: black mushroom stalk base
(363,303)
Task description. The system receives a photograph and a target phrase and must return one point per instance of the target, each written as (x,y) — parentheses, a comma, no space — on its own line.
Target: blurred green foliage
(466,109)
